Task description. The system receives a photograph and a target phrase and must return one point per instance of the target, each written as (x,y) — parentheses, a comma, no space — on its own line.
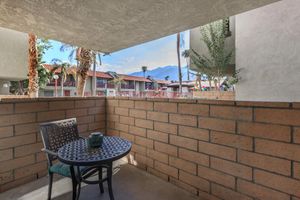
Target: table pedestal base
(76,180)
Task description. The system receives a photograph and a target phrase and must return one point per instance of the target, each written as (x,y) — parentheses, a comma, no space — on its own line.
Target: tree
(118,81)
(73,55)
(33,86)
(38,75)
(179,63)
(167,78)
(44,75)
(198,83)
(96,56)
(85,58)
(186,55)
(214,65)
(144,69)
(62,68)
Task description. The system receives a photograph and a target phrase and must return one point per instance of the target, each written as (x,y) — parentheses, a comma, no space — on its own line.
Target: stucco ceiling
(111,25)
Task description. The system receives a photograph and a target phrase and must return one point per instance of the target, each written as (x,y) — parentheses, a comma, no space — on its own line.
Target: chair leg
(109,181)
(100,179)
(50,185)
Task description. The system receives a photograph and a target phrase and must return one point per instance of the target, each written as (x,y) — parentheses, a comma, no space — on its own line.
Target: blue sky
(157,53)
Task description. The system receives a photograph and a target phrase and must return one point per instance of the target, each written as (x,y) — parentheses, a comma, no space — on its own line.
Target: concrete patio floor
(129,183)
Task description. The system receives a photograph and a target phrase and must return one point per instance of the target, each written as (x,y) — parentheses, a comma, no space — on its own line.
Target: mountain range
(160,73)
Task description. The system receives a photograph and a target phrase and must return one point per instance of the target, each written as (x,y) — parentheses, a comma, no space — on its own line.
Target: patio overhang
(109,26)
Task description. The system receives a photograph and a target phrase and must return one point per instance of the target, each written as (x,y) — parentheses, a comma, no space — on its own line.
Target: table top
(80,154)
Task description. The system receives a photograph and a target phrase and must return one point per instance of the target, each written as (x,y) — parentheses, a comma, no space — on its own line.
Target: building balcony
(110,85)
(128,87)
(66,84)
(181,148)
(101,85)
(129,183)
(149,87)
(69,84)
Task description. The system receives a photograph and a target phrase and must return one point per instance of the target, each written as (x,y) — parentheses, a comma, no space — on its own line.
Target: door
(67,93)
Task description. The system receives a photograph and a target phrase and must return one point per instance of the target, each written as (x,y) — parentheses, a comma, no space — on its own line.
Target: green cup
(95,139)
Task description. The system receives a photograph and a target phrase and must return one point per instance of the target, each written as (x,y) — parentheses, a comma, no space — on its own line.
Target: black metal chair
(54,135)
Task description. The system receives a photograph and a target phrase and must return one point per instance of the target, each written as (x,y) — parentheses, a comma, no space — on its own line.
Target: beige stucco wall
(115,25)
(268,52)
(13,54)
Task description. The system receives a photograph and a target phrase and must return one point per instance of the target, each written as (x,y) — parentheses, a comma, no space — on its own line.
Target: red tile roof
(134,78)
(100,74)
(50,67)
(163,82)
(73,70)
(105,75)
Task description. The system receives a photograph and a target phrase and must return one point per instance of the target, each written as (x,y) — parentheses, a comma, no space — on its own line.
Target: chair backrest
(58,133)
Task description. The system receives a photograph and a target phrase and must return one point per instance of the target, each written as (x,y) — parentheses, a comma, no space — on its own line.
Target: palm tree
(33,86)
(214,65)
(144,69)
(167,78)
(63,72)
(96,55)
(179,63)
(73,55)
(85,58)
(186,55)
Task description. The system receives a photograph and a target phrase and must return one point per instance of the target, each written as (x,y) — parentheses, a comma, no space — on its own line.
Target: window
(101,83)
(128,85)
(48,93)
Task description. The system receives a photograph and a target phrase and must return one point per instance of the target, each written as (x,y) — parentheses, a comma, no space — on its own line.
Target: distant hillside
(162,72)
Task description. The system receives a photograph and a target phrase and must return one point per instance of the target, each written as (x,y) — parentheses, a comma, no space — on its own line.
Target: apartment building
(266,48)
(105,84)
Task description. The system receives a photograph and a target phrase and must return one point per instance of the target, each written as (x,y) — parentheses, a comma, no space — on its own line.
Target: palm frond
(218,58)
(66,47)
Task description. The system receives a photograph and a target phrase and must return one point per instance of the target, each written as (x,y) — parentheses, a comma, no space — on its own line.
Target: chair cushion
(63,169)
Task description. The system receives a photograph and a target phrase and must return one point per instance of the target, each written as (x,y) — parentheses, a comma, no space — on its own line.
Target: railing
(110,85)
(149,87)
(52,83)
(69,84)
(66,84)
(131,87)
(155,94)
(101,85)
(98,93)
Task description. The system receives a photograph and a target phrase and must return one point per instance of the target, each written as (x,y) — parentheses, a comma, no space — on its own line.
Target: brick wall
(220,95)
(214,149)
(21,160)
